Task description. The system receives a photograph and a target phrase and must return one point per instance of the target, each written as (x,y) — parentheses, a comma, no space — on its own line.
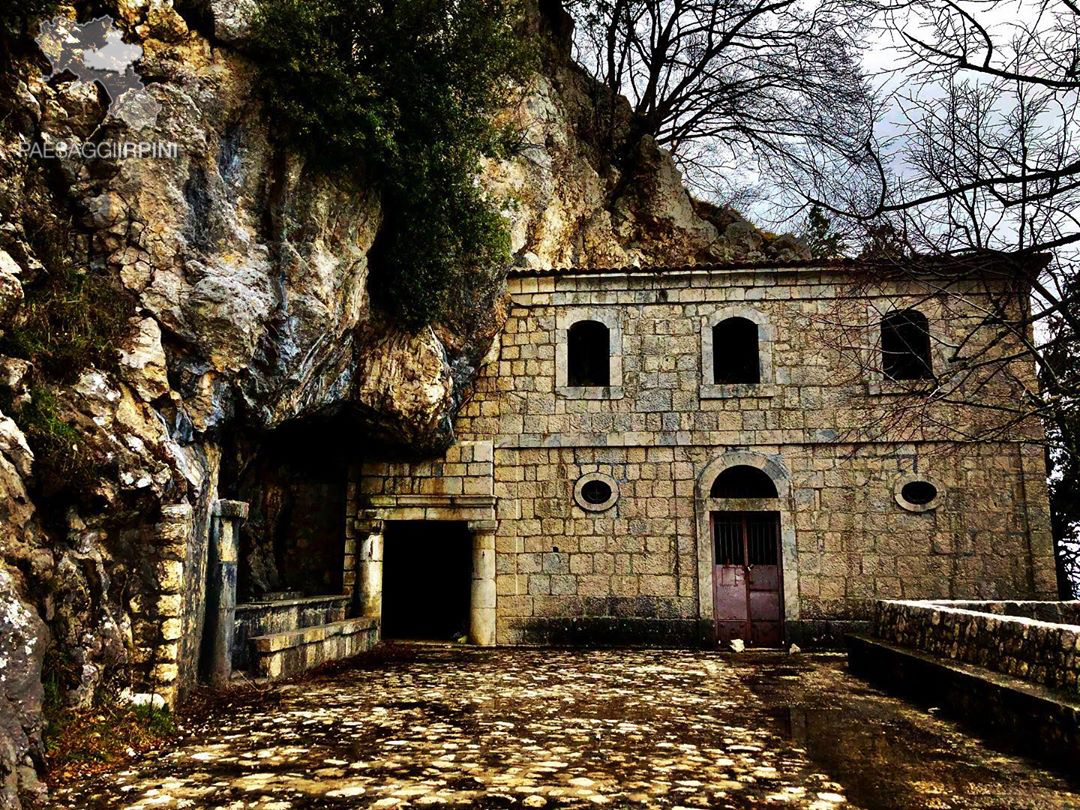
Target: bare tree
(744,85)
(961,171)
(982,160)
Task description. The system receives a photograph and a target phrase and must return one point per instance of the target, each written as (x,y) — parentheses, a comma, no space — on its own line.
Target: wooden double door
(748,578)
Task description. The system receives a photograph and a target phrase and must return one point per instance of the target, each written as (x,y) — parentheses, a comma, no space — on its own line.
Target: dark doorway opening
(427,577)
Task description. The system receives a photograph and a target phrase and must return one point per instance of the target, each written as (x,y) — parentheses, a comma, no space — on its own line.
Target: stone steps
(280,655)
(265,616)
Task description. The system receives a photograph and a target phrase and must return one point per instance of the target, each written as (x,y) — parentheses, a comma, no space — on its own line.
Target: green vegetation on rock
(407,91)
(61,461)
(16,16)
(71,319)
(81,742)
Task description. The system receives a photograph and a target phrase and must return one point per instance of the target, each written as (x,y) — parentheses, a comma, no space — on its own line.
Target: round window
(596,492)
(917,493)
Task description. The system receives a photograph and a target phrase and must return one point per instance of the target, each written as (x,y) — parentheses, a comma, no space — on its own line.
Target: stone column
(221,593)
(371,568)
(482,606)
(173,607)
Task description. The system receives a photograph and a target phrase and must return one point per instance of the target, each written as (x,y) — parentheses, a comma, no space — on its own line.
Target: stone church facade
(692,454)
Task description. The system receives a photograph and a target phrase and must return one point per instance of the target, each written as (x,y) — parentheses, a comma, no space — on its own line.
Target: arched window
(588,354)
(735,352)
(905,346)
(743,481)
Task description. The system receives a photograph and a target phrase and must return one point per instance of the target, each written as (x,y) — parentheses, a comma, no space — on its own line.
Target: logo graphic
(95,52)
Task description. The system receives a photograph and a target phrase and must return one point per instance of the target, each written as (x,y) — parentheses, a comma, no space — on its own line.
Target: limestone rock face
(566,216)
(143,358)
(22,647)
(405,379)
(11,293)
(247,276)
(23,634)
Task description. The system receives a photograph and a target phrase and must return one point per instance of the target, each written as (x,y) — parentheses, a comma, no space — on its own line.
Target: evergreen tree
(818,234)
(408,91)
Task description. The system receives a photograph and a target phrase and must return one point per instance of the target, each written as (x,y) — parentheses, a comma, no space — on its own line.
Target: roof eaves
(928,264)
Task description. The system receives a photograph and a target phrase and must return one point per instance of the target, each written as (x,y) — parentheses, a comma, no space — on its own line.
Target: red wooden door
(747,577)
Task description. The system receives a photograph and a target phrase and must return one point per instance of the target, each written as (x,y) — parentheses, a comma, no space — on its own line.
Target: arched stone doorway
(747,572)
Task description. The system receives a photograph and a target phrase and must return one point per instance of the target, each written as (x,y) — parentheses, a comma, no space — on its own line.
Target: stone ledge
(598,392)
(274,642)
(257,604)
(235,510)
(740,390)
(1051,611)
(280,655)
(699,439)
(269,618)
(1020,714)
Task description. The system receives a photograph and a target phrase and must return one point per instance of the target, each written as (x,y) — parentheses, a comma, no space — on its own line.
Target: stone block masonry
(988,664)
(456,487)
(640,559)
(972,632)
(281,655)
(638,564)
(163,647)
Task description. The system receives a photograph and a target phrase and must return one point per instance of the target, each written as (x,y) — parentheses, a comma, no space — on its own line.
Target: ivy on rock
(409,90)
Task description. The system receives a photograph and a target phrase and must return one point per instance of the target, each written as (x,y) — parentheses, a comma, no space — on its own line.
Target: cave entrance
(427,578)
(293,543)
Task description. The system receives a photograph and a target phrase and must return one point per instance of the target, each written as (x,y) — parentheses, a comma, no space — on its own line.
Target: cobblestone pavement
(465,727)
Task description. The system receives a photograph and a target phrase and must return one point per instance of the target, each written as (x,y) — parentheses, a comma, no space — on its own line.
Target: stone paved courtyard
(466,727)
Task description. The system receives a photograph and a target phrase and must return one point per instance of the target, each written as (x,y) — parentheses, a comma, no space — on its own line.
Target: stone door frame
(705,506)
(365,568)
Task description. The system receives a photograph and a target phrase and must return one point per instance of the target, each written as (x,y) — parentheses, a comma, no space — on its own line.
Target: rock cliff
(240,279)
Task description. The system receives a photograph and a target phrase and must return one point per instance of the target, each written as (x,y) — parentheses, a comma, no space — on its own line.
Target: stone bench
(279,655)
(267,616)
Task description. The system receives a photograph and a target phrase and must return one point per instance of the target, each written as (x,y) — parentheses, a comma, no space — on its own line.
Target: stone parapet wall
(1053,612)
(1036,651)
(279,616)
